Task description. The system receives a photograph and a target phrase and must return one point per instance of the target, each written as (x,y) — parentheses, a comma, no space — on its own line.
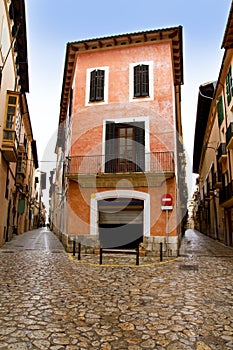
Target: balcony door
(125,147)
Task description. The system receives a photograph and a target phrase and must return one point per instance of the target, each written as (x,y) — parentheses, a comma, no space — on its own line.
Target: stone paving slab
(50,301)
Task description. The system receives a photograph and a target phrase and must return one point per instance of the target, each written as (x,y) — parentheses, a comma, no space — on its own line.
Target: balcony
(9,145)
(21,168)
(229,136)
(216,180)
(9,141)
(222,153)
(226,193)
(150,169)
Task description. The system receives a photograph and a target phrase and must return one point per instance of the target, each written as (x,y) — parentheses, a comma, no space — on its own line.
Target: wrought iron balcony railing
(157,162)
(226,193)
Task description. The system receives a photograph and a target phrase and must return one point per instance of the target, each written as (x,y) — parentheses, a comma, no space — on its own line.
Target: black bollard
(137,256)
(79,251)
(74,247)
(161,251)
(101,253)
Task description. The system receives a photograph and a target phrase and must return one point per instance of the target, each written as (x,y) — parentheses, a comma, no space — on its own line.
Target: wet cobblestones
(48,300)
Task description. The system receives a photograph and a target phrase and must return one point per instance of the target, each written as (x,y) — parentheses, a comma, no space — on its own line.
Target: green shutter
(220,110)
(21,206)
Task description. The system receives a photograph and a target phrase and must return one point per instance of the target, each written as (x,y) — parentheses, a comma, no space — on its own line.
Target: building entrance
(120,222)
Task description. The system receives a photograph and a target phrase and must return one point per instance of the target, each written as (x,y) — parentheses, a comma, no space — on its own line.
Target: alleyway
(50,301)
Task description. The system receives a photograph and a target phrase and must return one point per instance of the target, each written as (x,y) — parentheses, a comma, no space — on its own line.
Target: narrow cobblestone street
(50,300)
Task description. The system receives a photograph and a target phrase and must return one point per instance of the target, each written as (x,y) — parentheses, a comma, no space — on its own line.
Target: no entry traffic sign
(166,201)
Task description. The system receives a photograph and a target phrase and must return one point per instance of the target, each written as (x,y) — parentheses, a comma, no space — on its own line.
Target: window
(22,163)
(229,86)
(21,168)
(97,85)
(10,117)
(220,111)
(125,152)
(125,147)
(141,82)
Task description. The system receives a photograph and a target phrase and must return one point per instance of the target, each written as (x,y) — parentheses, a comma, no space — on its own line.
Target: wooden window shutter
(137,85)
(99,85)
(145,80)
(141,80)
(110,147)
(139,148)
(92,86)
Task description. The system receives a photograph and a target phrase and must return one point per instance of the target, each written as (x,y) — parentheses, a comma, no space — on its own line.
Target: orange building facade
(119,147)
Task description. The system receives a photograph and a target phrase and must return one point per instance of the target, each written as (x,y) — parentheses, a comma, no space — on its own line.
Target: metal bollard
(79,251)
(101,253)
(74,246)
(137,256)
(161,251)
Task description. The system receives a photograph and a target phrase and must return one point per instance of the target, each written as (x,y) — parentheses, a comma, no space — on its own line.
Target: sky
(51,24)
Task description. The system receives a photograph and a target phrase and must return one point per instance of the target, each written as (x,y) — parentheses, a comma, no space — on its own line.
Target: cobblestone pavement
(50,300)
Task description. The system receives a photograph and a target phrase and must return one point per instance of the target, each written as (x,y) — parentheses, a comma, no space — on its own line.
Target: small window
(97,85)
(141,80)
(21,163)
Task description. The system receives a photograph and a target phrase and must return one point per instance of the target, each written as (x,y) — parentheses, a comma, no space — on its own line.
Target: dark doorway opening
(121,222)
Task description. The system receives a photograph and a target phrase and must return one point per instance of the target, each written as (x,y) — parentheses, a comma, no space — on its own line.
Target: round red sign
(166,200)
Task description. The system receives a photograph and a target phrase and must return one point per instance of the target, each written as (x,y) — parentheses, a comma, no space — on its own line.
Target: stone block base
(151,245)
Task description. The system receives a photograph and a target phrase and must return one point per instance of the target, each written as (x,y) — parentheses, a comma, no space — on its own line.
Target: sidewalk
(38,239)
(197,244)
